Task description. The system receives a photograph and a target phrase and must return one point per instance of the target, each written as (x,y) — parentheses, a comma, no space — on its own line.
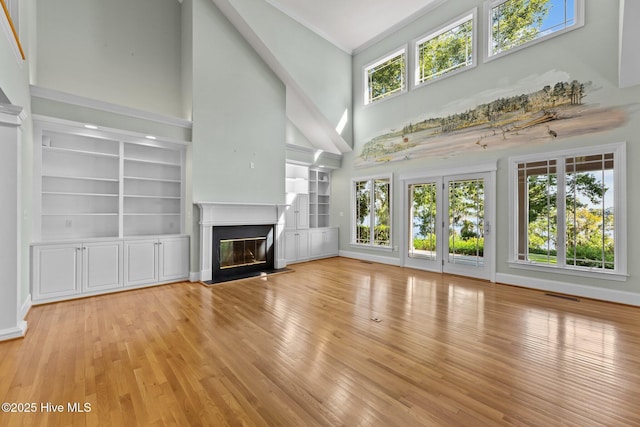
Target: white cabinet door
(140,262)
(323,242)
(303,244)
(317,243)
(291,246)
(296,245)
(102,266)
(56,271)
(297,212)
(333,242)
(290,213)
(174,258)
(302,217)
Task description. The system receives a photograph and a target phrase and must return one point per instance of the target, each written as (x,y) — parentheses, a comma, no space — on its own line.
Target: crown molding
(81,101)
(11,115)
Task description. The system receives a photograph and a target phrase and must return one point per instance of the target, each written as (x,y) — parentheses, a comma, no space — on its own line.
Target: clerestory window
(445,51)
(514,24)
(386,76)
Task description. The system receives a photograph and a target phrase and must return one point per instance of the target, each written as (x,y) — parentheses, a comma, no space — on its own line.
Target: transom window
(568,211)
(385,77)
(372,212)
(446,50)
(516,23)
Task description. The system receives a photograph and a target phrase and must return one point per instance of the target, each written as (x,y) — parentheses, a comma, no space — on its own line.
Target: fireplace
(251,231)
(241,251)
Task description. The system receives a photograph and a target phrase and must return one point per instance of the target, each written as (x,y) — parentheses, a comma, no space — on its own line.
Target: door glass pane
(466,222)
(363,220)
(422,239)
(382,213)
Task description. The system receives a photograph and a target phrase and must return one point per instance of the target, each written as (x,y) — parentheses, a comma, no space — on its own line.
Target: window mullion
(372,213)
(561,202)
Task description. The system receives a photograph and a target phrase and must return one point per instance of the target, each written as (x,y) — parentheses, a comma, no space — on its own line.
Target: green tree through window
(372,212)
(446,51)
(386,77)
(516,22)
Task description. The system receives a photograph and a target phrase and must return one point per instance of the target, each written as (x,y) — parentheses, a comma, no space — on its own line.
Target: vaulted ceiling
(353,24)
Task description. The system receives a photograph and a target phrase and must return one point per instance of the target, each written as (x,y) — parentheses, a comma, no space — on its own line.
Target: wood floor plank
(336,342)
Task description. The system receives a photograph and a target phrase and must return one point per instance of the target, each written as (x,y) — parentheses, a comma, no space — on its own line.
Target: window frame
(354,219)
(381,60)
(619,273)
(459,20)
(489,5)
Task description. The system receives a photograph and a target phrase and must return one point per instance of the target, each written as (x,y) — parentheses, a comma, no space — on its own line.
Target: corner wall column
(11,326)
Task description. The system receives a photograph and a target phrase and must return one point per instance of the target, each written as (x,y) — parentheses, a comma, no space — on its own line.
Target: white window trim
(381,60)
(353,213)
(489,5)
(415,61)
(620,212)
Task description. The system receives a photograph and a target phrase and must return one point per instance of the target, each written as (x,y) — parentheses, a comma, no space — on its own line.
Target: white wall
(14,84)
(238,143)
(238,116)
(588,54)
(120,51)
(321,69)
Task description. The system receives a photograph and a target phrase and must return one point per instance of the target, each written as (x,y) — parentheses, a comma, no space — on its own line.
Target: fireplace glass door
(243,252)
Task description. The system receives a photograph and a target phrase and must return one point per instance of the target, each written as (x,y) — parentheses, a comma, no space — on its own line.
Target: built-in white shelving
(307,233)
(152,190)
(95,184)
(108,211)
(319,198)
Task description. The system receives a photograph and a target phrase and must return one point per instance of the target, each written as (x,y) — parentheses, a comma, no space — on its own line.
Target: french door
(448,225)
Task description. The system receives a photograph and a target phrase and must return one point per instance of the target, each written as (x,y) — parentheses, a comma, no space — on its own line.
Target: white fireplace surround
(214,214)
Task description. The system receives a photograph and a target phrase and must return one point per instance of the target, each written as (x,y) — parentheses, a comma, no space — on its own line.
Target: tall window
(568,214)
(385,77)
(445,51)
(372,212)
(514,23)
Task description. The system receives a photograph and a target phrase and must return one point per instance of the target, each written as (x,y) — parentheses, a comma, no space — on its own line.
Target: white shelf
(79,152)
(80,214)
(138,196)
(141,178)
(82,178)
(62,193)
(145,153)
(151,214)
(151,162)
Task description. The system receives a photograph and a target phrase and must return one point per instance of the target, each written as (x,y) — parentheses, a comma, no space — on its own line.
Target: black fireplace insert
(242,251)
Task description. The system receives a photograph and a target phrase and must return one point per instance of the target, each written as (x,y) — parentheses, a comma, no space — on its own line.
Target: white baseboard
(12,333)
(574,289)
(372,258)
(194,276)
(26,306)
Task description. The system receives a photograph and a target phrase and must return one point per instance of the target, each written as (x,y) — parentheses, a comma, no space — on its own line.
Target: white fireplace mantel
(216,214)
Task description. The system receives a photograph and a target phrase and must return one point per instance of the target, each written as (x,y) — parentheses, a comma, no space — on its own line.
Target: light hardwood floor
(305,348)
